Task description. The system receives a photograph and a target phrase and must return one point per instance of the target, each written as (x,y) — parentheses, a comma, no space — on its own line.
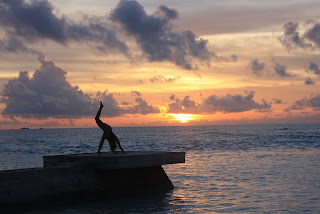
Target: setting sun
(183,118)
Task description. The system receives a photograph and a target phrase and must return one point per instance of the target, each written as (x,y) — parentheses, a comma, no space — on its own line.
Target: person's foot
(99,153)
(101,105)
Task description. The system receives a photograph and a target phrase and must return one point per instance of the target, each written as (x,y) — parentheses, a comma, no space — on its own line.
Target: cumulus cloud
(49,94)
(313,67)
(312,102)
(111,107)
(46,94)
(183,106)
(280,70)
(313,34)
(31,21)
(257,67)
(309,81)
(142,107)
(163,79)
(234,103)
(291,37)
(227,104)
(156,37)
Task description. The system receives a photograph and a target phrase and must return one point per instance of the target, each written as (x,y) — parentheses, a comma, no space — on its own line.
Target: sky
(158,63)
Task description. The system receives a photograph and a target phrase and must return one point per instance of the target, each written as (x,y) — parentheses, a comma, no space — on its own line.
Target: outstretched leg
(97,118)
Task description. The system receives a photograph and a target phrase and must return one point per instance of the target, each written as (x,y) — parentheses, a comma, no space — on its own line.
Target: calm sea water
(228,169)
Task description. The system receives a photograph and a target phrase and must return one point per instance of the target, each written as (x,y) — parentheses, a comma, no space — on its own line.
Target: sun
(183,118)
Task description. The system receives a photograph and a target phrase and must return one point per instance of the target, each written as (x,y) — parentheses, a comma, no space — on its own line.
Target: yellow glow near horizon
(183,118)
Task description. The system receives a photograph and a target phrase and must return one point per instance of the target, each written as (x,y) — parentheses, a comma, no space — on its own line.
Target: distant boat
(24,128)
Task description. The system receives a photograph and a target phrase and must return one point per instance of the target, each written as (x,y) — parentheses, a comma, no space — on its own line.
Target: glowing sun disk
(183,118)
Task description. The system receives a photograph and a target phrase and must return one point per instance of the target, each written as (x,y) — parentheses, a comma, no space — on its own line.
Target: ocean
(228,169)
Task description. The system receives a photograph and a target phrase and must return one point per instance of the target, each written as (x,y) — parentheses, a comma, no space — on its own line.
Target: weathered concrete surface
(59,183)
(17,186)
(132,180)
(116,161)
(89,178)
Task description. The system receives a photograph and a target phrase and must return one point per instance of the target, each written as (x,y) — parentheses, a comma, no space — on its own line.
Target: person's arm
(119,145)
(101,144)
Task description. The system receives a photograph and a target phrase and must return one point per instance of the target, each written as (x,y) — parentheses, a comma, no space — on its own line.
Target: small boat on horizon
(24,128)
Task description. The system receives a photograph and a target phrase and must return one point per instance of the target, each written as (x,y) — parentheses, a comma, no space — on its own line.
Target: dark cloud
(227,104)
(183,106)
(136,93)
(234,103)
(257,67)
(32,21)
(111,107)
(234,58)
(156,37)
(313,67)
(98,34)
(277,101)
(167,12)
(49,94)
(172,97)
(13,44)
(281,70)
(313,34)
(309,81)
(142,107)
(291,37)
(46,94)
(28,22)
(163,79)
(312,102)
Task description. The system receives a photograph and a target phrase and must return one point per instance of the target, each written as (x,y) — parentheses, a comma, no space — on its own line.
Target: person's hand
(101,105)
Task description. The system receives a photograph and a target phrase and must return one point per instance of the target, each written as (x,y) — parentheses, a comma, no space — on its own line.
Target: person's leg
(97,118)
(101,144)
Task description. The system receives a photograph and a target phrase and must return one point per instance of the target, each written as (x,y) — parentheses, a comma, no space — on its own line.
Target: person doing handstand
(107,133)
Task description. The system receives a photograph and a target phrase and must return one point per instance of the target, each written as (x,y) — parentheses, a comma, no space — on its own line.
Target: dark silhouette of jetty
(80,177)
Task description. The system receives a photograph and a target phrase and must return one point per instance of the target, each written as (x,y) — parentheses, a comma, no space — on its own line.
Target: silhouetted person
(107,133)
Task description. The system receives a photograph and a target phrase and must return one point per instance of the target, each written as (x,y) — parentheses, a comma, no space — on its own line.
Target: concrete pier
(110,160)
(80,177)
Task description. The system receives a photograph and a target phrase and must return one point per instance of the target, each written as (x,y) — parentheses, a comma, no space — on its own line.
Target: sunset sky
(159,63)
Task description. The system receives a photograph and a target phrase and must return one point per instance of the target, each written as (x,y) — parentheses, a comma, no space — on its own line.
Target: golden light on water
(183,118)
